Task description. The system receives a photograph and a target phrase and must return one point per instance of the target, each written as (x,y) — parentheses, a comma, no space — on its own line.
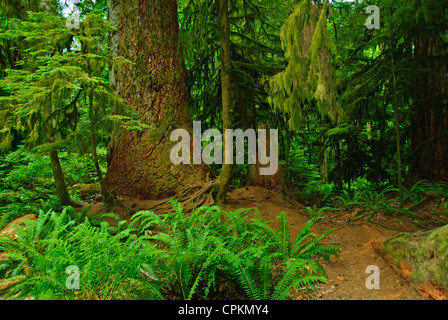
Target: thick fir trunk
(226,64)
(154,85)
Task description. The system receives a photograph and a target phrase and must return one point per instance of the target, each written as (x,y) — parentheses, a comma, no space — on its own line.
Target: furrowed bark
(154,85)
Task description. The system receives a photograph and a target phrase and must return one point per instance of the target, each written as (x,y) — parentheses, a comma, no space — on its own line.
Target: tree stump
(271,181)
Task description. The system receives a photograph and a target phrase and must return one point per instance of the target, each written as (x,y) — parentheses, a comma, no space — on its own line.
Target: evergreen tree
(57,87)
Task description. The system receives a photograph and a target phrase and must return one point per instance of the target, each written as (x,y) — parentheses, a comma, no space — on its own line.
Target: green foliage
(270,272)
(174,256)
(60,68)
(190,249)
(255,55)
(27,185)
(109,264)
(58,94)
(369,200)
(209,244)
(386,199)
(339,93)
(309,75)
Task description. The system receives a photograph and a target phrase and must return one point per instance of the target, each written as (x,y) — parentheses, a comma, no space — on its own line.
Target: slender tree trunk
(154,85)
(398,135)
(226,64)
(50,7)
(287,159)
(61,186)
(59,181)
(104,190)
(338,170)
(397,124)
(324,161)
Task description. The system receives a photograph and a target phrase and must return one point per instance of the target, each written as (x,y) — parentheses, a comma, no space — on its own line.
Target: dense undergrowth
(209,254)
(307,187)
(27,183)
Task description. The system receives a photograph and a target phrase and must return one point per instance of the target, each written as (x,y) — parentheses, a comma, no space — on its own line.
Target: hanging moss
(309,74)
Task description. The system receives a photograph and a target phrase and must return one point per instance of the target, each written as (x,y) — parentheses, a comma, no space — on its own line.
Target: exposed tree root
(190,198)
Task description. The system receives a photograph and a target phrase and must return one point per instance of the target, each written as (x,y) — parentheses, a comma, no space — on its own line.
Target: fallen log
(420,258)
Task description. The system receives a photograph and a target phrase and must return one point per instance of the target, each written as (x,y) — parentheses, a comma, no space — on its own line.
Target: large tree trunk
(154,85)
(430,138)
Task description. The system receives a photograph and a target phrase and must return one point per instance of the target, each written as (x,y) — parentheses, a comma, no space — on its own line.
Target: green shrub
(172,256)
(270,272)
(109,264)
(27,185)
(238,247)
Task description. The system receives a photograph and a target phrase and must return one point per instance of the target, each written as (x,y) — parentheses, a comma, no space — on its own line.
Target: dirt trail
(346,276)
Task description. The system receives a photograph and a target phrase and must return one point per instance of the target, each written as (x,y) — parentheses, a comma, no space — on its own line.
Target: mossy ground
(426,253)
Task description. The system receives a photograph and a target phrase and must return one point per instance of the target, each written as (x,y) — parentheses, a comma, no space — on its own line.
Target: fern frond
(244,276)
(266,277)
(284,234)
(289,277)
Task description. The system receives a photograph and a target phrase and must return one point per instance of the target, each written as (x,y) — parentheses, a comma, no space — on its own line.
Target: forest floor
(346,275)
